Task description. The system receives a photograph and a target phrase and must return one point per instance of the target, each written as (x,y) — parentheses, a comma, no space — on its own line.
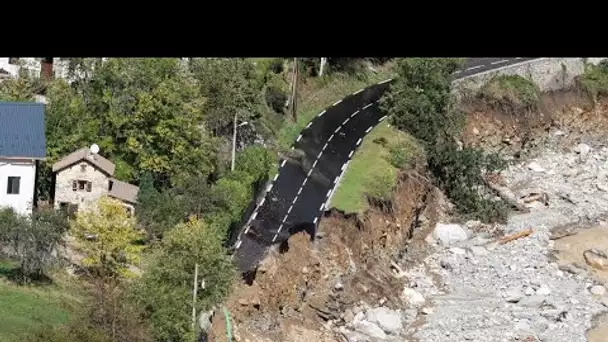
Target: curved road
(298,194)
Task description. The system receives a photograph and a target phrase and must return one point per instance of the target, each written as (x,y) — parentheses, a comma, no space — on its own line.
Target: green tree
(32,239)
(108,239)
(420,100)
(165,288)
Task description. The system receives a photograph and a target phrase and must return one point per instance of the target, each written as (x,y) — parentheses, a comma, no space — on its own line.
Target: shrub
(276,65)
(275,98)
(511,93)
(594,81)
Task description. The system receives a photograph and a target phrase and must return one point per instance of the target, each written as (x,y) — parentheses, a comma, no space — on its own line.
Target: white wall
(26,169)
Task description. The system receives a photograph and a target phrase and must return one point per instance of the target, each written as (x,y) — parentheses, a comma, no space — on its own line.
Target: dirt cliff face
(299,294)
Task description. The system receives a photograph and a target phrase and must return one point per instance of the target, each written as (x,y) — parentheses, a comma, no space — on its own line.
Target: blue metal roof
(22,130)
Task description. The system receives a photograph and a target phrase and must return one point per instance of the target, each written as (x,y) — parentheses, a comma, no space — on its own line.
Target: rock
(411,296)
(370,329)
(304,270)
(388,320)
(598,290)
(543,291)
(601,187)
(448,234)
(535,167)
(427,310)
(529,291)
(475,131)
(339,286)
(348,316)
(458,251)
(559,133)
(513,296)
(596,259)
(532,301)
(582,149)
(478,250)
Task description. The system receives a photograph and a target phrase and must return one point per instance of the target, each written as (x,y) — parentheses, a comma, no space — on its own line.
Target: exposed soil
(297,295)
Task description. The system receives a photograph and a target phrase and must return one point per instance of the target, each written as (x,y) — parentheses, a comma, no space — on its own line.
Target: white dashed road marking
(500,62)
(315,220)
(353,114)
(351,154)
(475,67)
(337,102)
(358,91)
(369,129)
(382,118)
(283,162)
(320,114)
(275,177)
(390,79)
(368,105)
(309,124)
(299,137)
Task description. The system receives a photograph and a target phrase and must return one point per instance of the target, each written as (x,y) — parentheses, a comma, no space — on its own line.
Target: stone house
(82,177)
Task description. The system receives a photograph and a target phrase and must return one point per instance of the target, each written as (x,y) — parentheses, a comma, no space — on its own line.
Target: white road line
(322,206)
(269,187)
(337,102)
(238,244)
(309,173)
(390,79)
(319,155)
(345,121)
(309,124)
(369,129)
(382,118)
(304,182)
(275,177)
(315,163)
(247,229)
(324,147)
(289,210)
(275,237)
(283,162)
(320,114)
(328,193)
(475,67)
(294,200)
(262,201)
(336,179)
(353,114)
(351,154)
(358,91)
(280,228)
(315,220)
(337,129)
(300,191)
(368,105)
(343,167)
(254,215)
(284,219)
(330,137)
(360,140)
(500,62)
(299,137)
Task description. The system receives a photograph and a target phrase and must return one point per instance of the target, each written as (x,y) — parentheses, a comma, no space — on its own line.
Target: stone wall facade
(81,171)
(549,74)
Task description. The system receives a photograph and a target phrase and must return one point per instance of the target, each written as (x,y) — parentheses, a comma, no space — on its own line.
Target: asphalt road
(297,196)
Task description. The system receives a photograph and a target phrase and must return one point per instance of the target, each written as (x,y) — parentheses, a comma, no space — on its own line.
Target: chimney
(46,68)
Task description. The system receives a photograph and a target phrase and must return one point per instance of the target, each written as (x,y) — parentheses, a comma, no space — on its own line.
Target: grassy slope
(370,170)
(316,94)
(24,309)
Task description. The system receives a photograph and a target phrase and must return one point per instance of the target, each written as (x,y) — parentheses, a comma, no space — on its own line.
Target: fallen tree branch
(518,235)
(505,194)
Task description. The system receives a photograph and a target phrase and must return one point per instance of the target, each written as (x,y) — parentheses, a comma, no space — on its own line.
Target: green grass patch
(25,309)
(595,80)
(510,92)
(318,93)
(373,169)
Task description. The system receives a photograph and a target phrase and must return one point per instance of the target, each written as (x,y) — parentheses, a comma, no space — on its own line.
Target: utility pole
(294,93)
(323,61)
(233,144)
(194,290)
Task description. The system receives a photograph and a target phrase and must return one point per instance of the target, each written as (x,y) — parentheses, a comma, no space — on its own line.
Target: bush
(594,81)
(276,65)
(511,93)
(32,239)
(275,98)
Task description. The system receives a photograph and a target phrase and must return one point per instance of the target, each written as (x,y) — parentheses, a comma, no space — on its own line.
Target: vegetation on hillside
(511,93)
(420,102)
(167,124)
(594,81)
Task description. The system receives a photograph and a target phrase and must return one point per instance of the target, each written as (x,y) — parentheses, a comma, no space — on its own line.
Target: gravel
(513,291)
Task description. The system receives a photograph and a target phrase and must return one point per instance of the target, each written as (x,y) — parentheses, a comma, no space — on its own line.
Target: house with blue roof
(22,147)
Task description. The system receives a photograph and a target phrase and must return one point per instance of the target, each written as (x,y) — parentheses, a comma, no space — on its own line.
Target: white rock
(387,319)
(535,167)
(597,290)
(458,251)
(448,234)
(427,310)
(582,149)
(543,291)
(529,291)
(411,296)
(475,131)
(370,329)
(601,187)
(513,296)
(478,250)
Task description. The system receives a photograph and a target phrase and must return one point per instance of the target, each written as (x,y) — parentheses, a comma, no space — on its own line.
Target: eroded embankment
(299,295)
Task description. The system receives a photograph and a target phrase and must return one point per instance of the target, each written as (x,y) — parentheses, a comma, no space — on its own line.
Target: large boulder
(449,234)
(387,319)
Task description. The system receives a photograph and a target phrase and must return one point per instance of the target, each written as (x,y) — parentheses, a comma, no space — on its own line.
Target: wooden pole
(194,290)
(294,95)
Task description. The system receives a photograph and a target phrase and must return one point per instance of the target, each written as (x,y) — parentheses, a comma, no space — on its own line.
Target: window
(13,185)
(79,185)
(83,167)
